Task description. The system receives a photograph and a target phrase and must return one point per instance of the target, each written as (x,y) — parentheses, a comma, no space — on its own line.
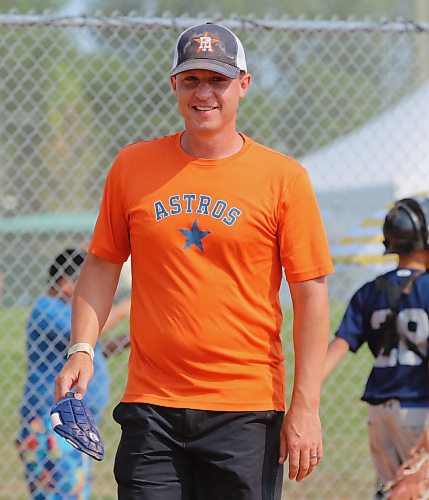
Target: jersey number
(412,323)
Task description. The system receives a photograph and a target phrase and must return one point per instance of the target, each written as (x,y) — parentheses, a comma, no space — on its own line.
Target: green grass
(12,369)
(345,472)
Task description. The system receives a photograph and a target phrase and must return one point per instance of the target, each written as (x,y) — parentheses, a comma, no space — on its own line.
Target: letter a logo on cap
(206,42)
(211,47)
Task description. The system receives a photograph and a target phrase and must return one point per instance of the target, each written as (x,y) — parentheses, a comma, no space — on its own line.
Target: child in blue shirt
(53,468)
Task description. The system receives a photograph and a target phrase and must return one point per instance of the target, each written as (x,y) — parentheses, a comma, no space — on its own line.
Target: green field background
(344,473)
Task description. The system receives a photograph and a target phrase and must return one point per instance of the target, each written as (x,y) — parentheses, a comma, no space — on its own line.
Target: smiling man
(211,219)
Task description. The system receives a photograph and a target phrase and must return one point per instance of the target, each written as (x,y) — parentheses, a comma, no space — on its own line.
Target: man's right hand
(77,372)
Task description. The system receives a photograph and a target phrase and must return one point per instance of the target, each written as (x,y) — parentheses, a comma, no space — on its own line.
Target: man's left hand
(301,442)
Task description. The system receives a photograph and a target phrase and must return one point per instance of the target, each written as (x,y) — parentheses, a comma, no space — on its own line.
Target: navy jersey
(402,374)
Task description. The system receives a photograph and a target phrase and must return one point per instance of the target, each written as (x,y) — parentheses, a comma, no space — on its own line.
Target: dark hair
(67,263)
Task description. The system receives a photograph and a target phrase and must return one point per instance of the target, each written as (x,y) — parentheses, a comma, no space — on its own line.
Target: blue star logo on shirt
(194,236)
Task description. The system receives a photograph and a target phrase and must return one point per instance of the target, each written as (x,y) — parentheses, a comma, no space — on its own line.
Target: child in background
(53,468)
(390,314)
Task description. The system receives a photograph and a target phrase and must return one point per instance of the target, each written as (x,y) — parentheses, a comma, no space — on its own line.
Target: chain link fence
(347,98)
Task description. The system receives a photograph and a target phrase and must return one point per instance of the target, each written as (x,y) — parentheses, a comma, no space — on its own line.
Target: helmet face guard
(406,226)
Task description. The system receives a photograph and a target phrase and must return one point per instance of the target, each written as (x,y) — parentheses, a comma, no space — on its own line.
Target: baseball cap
(209,46)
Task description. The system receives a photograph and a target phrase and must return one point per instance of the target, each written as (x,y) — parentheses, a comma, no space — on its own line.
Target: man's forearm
(311,332)
(92,299)
(301,434)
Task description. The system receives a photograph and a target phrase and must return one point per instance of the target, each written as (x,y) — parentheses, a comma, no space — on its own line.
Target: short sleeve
(111,239)
(303,245)
(352,326)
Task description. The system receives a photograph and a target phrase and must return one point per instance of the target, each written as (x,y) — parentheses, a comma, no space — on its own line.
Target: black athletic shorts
(182,454)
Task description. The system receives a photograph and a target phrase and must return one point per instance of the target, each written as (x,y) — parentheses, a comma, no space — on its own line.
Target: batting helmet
(406,226)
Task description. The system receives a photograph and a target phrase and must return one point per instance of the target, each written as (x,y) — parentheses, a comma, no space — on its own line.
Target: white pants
(392,432)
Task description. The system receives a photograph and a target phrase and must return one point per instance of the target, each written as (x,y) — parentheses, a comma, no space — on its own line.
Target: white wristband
(81,347)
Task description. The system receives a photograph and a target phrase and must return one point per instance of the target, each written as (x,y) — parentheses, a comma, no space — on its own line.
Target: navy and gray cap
(212,47)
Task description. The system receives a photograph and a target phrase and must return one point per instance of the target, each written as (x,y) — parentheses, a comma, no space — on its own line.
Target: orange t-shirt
(208,239)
